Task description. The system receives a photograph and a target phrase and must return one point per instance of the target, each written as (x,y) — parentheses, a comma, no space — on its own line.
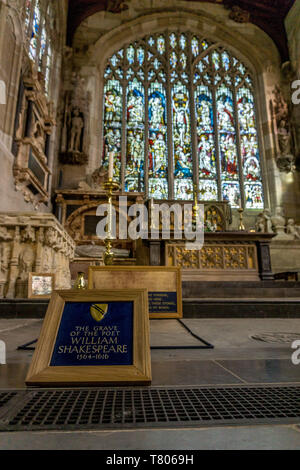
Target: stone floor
(235,359)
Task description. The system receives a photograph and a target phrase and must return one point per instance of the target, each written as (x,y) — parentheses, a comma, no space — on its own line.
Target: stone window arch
(179,111)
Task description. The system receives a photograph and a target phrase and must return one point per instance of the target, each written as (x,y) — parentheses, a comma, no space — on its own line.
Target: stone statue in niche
(76,131)
(284,138)
(280,107)
(285,159)
(74,140)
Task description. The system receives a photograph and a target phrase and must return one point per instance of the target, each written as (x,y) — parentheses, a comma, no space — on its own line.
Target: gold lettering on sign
(99,342)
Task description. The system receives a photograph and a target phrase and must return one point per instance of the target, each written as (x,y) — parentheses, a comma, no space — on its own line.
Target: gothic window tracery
(178,111)
(40,31)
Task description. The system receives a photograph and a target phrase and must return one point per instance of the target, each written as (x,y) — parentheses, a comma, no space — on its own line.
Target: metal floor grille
(148,407)
(5,397)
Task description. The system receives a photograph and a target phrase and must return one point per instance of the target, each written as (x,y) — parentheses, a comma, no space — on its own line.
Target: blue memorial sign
(162,302)
(95,334)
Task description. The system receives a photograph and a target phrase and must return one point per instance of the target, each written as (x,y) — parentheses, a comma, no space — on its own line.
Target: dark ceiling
(269,15)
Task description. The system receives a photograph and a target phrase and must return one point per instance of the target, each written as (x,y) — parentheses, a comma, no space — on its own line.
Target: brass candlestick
(241,226)
(195,206)
(80,282)
(196,191)
(108,257)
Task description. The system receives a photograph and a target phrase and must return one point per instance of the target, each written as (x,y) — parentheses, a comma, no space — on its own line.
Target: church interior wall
(81,67)
(13,64)
(254,47)
(11,44)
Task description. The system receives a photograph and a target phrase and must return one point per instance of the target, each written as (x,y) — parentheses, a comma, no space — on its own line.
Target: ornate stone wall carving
(32,136)
(32,243)
(239,15)
(285,144)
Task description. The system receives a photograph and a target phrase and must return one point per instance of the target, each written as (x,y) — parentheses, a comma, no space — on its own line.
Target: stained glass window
(183,163)
(249,149)
(206,143)
(35,31)
(158,149)
(113,97)
(39,28)
(28,10)
(180,111)
(134,170)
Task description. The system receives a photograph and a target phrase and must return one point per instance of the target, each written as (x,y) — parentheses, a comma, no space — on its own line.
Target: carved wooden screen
(188,106)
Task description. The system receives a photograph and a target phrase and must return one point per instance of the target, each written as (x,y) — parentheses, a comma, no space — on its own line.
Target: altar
(227,255)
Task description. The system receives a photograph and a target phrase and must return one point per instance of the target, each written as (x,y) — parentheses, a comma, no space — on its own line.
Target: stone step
(209,307)
(241,308)
(243,300)
(23,308)
(241,290)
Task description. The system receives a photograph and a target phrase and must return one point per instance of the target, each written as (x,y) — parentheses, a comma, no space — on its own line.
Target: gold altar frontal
(225,256)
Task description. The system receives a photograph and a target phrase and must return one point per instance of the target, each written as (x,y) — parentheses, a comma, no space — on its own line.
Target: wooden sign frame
(139,373)
(157,278)
(31,294)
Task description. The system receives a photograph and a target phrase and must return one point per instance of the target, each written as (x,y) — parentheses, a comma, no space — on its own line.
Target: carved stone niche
(284,132)
(35,123)
(75,129)
(32,242)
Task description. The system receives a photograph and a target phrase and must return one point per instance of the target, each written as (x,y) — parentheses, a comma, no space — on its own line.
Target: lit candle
(240,203)
(111,165)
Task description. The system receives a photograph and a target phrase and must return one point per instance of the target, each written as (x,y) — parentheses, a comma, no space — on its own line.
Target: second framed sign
(163,284)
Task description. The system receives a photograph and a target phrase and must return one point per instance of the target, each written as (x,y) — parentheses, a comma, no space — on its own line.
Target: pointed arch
(193,100)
